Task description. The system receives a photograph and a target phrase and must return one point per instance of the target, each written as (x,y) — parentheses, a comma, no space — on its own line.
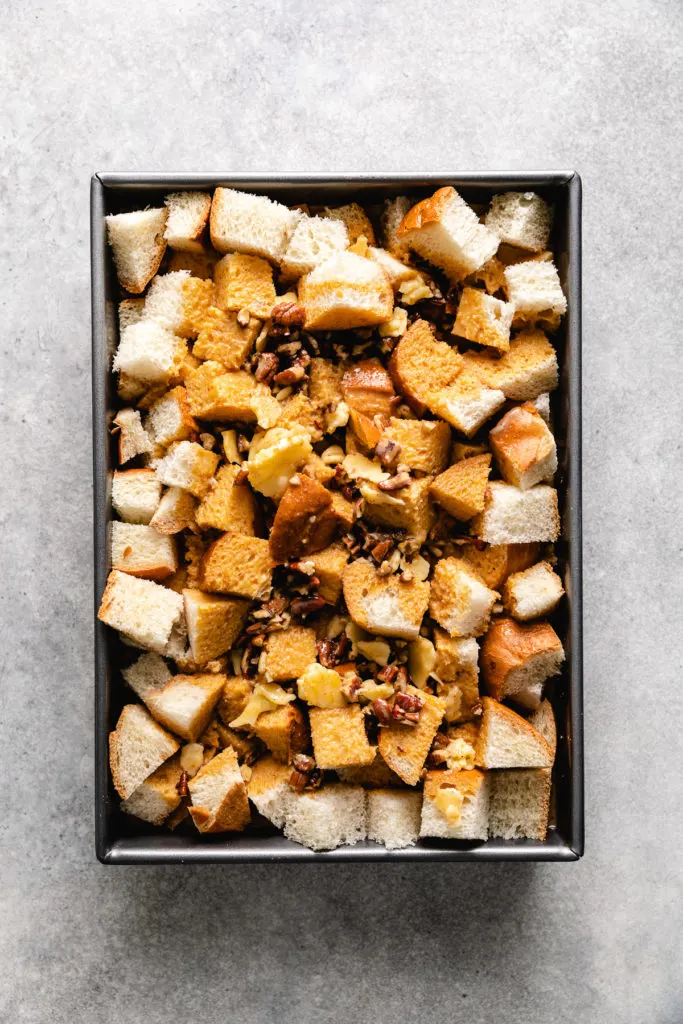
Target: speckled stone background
(354,85)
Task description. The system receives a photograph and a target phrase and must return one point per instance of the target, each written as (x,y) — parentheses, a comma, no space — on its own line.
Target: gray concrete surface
(274,86)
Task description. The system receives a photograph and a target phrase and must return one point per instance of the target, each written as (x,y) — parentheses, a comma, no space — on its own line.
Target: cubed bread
(141,551)
(228,505)
(131,311)
(457,667)
(424,444)
(157,796)
(133,438)
(344,511)
(522,219)
(175,511)
(149,352)
(219,795)
(444,230)
(334,815)
(542,406)
(467,403)
(421,365)
(269,789)
(344,292)
(535,291)
(242,222)
(170,419)
(513,516)
(275,457)
(245,282)
(329,567)
(532,593)
(315,239)
(466,450)
(494,562)
(506,740)
(189,466)
(543,719)
(339,738)
(179,302)
(284,731)
(213,623)
(491,275)
(483,319)
(367,388)
(237,691)
(405,747)
(185,703)
(520,803)
(393,212)
(459,601)
(238,565)
(135,494)
(129,389)
(238,397)
(138,245)
(325,382)
(151,616)
(455,805)
(304,522)
(299,411)
(524,447)
(394,817)
(188,216)
(384,604)
(355,220)
(461,489)
(527,370)
(223,339)
(518,658)
(396,271)
(410,508)
(137,747)
(288,653)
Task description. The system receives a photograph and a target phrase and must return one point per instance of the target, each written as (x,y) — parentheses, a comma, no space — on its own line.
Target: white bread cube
(455,805)
(524,447)
(185,703)
(176,511)
(394,817)
(396,271)
(150,615)
(141,551)
(393,212)
(520,803)
(149,352)
(445,231)
(213,623)
(459,601)
(137,747)
(334,815)
(131,311)
(135,494)
(513,516)
(242,222)
(170,419)
(269,789)
(466,403)
(188,215)
(138,244)
(527,370)
(344,292)
(355,220)
(384,604)
(535,291)
(542,406)
(517,659)
(219,795)
(314,240)
(147,675)
(133,438)
(157,796)
(522,219)
(506,740)
(483,319)
(179,302)
(532,593)
(189,466)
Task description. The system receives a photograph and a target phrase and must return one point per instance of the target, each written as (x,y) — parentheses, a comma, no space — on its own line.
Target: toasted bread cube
(517,659)
(284,731)
(344,511)
(520,803)
(275,457)
(238,565)
(405,747)
(200,388)
(467,403)
(535,291)
(457,666)
(410,508)
(170,419)
(269,789)
(137,747)
(227,505)
(219,795)
(521,218)
(397,272)
(375,775)
(367,388)
(532,593)
(242,222)
(224,340)
(133,438)
(344,292)
(339,737)
(151,616)
(298,411)
(462,488)
(179,302)
(188,216)
(506,740)
(314,240)
(331,816)
(138,244)
(200,264)
(491,275)
(325,382)
(245,282)
(237,691)
(329,568)
(355,220)
(175,512)
(494,562)
(233,397)
(456,805)
(135,494)
(425,444)
(420,365)
(526,371)
(141,551)
(304,522)
(189,466)
(288,653)
(394,817)
(484,320)
(513,516)
(157,796)
(129,389)
(185,705)
(445,231)
(213,623)
(149,352)
(459,601)
(384,604)
(393,212)
(524,447)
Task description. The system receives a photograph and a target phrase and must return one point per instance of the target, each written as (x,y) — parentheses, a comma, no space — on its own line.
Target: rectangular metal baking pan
(121,839)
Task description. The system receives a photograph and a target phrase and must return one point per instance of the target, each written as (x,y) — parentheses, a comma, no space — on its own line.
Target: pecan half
(303,606)
(395,483)
(387,451)
(292,375)
(291,314)
(381,550)
(383,712)
(332,652)
(181,785)
(267,366)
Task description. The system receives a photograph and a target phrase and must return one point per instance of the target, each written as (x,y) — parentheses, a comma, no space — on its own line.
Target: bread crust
(509,645)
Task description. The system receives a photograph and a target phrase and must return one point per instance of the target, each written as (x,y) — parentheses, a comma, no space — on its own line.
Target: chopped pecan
(303,606)
(350,689)
(332,652)
(266,367)
(383,711)
(402,679)
(381,550)
(395,483)
(387,451)
(181,785)
(291,314)
(388,674)
(292,375)
(303,763)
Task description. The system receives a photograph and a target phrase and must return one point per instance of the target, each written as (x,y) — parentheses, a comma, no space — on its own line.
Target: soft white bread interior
(242,222)
(446,231)
(150,615)
(522,219)
(506,740)
(157,796)
(269,789)
(131,311)
(213,623)
(170,419)
(384,605)
(524,447)
(185,703)
(189,466)
(137,747)
(394,817)
(133,438)
(532,593)
(455,805)
(520,803)
(175,512)
(188,215)
(543,719)
(334,815)
(219,795)
(344,292)
(314,240)
(141,551)
(393,212)
(135,494)
(459,601)
(148,674)
(138,244)
(149,352)
(396,271)
(513,516)
(526,370)
(467,403)
(535,291)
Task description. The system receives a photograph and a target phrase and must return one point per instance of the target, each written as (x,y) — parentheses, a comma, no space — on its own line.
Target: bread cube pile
(333,564)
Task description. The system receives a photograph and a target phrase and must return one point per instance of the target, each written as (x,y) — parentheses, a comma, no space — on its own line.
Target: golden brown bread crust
(405,748)
(284,731)
(509,645)
(428,211)
(367,388)
(496,562)
(233,813)
(462,487)
(304,522)
(493,709)
(420,365)
(519,440)
(362,582)
(339,738)
(466,782)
